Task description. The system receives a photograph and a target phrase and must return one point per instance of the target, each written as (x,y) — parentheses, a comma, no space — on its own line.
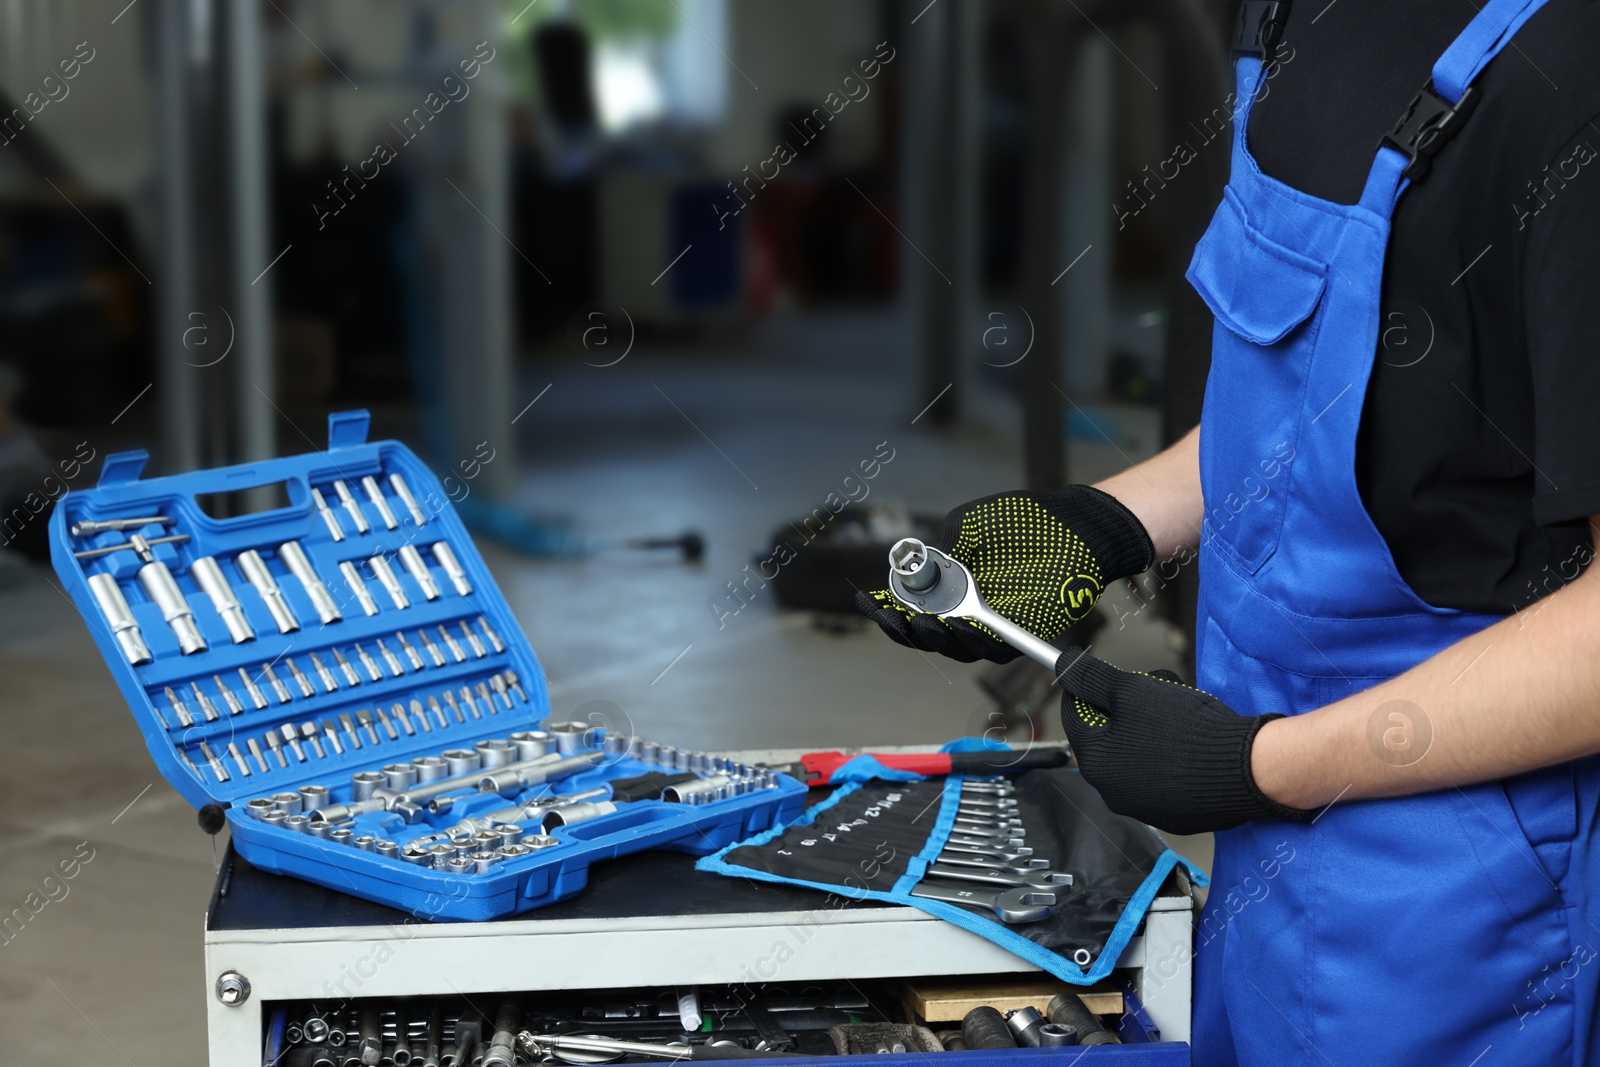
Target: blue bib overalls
(1421,931)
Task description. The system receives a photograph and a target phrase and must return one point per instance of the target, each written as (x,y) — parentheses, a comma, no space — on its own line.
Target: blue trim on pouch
(989,930)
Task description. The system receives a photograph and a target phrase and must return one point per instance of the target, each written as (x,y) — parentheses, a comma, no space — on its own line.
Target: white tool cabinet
(645,920)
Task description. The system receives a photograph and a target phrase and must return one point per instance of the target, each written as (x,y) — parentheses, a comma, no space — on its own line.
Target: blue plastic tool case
(461,633)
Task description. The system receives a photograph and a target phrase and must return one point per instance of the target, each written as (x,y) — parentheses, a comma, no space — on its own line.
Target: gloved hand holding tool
(1161,751)
(1038,560)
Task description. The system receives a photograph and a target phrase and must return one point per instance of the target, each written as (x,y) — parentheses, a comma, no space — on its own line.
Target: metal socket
(294,557)
(570,737)
(576,813)
(258,807)
(374,494)
(495,752)
(403,491)
(400,776)
(363,783)
(208,576)
(385,575)
(530,743)
(411,559)
(452,567)
(430,769)
(255,571)
(162,589)
(119,617)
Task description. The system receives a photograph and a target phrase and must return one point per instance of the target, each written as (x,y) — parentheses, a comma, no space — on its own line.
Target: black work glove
(1039,559)
(1160,751)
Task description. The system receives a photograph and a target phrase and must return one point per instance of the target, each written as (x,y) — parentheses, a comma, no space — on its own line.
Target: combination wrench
(1044,881)
(1028,866)
(1018,904)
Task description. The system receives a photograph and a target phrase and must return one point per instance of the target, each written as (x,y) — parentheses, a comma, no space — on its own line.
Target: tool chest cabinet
(646,920)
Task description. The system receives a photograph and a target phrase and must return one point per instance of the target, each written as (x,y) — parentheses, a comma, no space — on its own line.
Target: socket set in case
(344,677)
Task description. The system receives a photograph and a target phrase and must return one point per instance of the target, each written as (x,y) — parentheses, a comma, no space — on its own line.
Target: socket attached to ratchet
(927,580)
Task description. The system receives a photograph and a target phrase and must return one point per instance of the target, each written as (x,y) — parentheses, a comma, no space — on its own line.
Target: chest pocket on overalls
(1263,295)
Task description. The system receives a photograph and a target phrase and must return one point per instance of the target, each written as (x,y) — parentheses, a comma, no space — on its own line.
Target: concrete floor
(115,960)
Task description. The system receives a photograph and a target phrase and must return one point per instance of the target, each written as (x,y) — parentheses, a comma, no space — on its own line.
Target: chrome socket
(403,491)
(400,776)
(374,494)
(119,617)
(341,835)
(254,568)
(351,507)
(159,585)
(704,788)
(483,862)
(258,807)
(300,824)
(313,797)
(570,737)
(530,743)
(391,584)
(358,586)
(208,576)
(573,813)
(385,847)
(495,753)
(411,559)
(430,769)
(363,783)
(452,567)
(294,557)
(328,517)
(289,803)
(462,761)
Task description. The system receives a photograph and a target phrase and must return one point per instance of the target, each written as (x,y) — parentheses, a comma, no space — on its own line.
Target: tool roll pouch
(876,840)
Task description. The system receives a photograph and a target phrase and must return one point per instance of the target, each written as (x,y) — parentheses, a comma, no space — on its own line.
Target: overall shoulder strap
(1435,114)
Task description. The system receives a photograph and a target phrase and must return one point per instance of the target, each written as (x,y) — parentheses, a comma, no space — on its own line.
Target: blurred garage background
(650,283)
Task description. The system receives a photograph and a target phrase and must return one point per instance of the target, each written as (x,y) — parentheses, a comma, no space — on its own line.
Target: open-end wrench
(1045,881)
(988,845)
(988,816)
(988,803)
(1018,904)
(1030,866)
(1008,855)
(927,580)
(989,842)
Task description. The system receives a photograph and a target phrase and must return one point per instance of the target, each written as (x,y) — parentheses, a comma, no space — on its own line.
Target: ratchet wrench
(927,580)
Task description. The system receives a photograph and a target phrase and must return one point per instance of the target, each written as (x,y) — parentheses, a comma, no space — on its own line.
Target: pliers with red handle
(816,769)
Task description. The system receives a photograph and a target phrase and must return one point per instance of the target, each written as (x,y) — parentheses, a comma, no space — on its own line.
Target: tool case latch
(120,468)
(347,429)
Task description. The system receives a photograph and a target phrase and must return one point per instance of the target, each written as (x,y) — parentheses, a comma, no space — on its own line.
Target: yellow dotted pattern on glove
(1028,565)
(887,599)
(1091,715)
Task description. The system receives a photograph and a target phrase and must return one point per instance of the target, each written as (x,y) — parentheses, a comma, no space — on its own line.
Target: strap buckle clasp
(1259,26)
(1428,122)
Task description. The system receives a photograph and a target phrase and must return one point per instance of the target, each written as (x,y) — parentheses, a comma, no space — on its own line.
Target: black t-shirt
(1478,456)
